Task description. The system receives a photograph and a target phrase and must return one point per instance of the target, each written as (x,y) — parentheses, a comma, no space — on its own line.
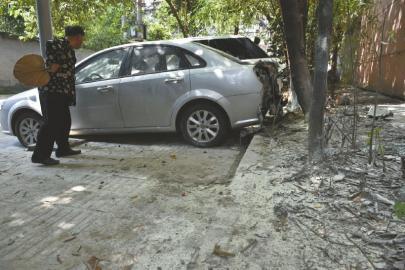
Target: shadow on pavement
(153,139)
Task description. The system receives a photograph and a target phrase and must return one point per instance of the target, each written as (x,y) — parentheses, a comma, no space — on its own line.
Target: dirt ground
(337,214)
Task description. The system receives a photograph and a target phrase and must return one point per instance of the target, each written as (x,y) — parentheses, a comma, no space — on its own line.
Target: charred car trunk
(272,102)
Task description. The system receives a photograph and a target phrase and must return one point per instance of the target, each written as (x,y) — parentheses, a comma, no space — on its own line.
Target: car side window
(173,61)
(145,60)
(194,61)
(153,59)
(102,67)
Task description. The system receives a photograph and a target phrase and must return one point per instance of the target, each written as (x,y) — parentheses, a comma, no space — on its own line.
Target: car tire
(204,125)
(26,128)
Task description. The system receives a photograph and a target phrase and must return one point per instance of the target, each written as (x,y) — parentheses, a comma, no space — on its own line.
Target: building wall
(388,17)
(12,49)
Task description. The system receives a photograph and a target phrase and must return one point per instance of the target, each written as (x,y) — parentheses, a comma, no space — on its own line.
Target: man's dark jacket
(62,82)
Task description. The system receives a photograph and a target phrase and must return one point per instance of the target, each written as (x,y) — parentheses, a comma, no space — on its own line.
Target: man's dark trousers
(56,126)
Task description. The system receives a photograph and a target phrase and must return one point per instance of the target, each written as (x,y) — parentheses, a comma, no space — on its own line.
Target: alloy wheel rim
(203,126)
(28,129)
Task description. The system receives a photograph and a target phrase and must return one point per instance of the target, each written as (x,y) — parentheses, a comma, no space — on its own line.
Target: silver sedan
(165,86)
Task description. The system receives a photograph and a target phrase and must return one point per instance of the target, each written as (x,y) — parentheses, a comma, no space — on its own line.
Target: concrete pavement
(139,206)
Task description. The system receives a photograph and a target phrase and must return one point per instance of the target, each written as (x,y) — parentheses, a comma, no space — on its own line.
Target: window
(152,59)
(172,61)
(102,67)
(145,60)
(194,61)
(242,48)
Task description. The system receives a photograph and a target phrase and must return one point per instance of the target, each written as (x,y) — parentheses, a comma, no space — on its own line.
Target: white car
(165,86)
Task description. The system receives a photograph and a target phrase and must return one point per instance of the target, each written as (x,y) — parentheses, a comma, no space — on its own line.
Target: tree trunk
(333,73)
(315,137)
(294,17)
(175,12)
(236,30)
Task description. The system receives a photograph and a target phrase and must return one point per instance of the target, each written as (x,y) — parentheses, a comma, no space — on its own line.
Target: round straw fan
(30,70)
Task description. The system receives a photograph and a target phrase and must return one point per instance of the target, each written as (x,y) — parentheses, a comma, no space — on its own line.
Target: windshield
(242,48)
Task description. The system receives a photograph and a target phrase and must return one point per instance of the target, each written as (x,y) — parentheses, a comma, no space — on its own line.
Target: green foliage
(399,210)
(23,13)
(101,18)
(157,31)
(13,25)
(163,23)
(175,18)
(106,30)
(223,16)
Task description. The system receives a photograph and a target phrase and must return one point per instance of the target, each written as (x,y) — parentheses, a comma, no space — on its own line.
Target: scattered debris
(345,212)
(343,99)
(252,243)
(93,263)
(222,253)
(77,252)
(69,239)
(380,113)
(59,259)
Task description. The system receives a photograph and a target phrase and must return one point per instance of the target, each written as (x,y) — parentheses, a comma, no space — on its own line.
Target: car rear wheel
(26,128)
(204,125)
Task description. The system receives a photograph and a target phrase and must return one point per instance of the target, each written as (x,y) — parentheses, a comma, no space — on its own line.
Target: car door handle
(105,89)
(174,80)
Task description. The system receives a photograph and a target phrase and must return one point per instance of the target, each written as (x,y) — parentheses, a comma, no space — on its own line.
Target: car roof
(184,43)
(178,41)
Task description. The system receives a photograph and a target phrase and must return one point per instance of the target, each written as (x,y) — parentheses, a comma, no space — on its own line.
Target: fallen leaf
(222,253)
(173,156)
(93,263)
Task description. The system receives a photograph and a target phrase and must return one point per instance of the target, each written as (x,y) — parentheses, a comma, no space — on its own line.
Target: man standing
(57,96)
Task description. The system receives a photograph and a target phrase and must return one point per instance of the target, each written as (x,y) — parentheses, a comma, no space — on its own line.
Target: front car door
(97,86)
(157,76)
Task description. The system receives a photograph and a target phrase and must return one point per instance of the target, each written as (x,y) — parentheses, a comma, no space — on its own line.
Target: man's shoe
(48,161)
(66,153)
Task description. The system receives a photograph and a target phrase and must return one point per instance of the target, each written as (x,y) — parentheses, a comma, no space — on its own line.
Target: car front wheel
(26,128)
(204,125)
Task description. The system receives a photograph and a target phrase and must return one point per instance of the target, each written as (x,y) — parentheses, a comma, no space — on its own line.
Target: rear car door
(156,77)
(97,86)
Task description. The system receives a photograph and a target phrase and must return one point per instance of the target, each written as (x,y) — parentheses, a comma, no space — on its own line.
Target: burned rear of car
(266,69)
(272,103)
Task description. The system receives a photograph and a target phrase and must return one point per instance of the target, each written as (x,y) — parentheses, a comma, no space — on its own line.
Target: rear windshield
(224,54)
(242,48)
